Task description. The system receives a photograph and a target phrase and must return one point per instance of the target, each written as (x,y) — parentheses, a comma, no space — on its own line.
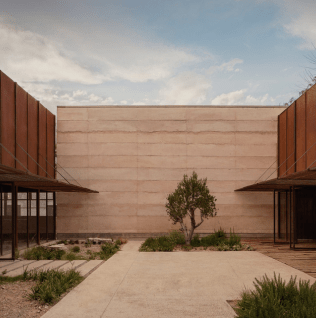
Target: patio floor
(178,284)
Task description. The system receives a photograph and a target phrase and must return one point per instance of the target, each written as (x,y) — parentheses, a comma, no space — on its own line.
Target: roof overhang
(28,180)
(298,179)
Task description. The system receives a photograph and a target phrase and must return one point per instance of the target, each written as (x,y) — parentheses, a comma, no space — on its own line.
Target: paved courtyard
(178,284)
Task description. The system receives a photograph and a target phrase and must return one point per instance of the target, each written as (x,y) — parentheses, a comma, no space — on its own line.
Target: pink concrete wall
(135,156)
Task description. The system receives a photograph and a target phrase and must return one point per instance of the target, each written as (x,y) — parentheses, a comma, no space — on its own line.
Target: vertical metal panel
(290,139)
(38,232)
(50,144)
(7,119)
(32,142)
(300,134)
(1,226)
(282,143)
(311,126)
(21,127)
(42,126)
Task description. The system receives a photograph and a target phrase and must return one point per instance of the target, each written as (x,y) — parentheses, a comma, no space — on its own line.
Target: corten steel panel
(300,134)
(282,143)
(42,140)
(311,126)
(290,139)
(21,127)
(32,134)
(50,144)
(7,120)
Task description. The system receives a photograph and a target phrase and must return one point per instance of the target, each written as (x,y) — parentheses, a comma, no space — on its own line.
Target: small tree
(191,195)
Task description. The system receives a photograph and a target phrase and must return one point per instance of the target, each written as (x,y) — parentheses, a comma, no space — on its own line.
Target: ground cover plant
(73,250)
(191,196)
(50,284)
(274,298)
(176,240)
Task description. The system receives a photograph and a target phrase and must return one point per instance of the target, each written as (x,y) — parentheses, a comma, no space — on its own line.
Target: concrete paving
(180,284)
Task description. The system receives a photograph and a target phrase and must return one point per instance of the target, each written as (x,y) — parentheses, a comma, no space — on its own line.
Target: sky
(165,52)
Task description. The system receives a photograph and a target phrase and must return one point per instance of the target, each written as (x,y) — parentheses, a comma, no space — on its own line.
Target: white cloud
(187,88)
(228,66)
(124,102)
(300,20)
(29,57)
(240,98)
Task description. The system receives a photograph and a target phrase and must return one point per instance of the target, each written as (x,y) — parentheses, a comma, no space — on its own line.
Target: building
(134,156)
(116,165)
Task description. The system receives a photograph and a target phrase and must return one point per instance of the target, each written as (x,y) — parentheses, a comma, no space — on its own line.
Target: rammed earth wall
(135,155)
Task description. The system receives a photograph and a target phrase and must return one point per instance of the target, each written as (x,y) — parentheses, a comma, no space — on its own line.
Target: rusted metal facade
(295,188)
(297,135)
(27,170)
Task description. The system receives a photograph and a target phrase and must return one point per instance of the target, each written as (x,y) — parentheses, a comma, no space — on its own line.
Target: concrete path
(15,268)
(180,284)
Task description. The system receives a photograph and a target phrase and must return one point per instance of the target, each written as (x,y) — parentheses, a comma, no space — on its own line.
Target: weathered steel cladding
(297,135)
(7,120)
(32,134)
(42,134)
(25,123)
(290,137)
(282,143)
(50,144)
(311,127)
(300,134)
(21,128)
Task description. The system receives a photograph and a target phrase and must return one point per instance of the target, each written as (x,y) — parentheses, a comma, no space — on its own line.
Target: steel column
(27,218)
(55,214)
(274,216)
(13,217)
(38,217)
(1,227)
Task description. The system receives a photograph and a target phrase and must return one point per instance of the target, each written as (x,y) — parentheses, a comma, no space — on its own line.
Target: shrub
(51,284)
(162,244)
(177,237)
(210,240)
(41,253)
(195,242)
(76,249)
(275,298)
(107,250)
(233,239)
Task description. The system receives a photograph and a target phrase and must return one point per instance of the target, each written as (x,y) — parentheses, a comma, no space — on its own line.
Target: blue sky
(135,52)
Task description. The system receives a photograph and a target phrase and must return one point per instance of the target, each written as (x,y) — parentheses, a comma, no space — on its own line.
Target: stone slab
(15,265)
(72,265)
(54,265)
(35,265)
(86,268)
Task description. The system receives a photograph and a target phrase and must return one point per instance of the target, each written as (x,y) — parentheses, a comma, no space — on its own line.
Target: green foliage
(41,253)
(76,249)
(118,242)
(219,239)
(177,237)
(195,242)
(275,298)
(161,244)
(51,284)
(191,194)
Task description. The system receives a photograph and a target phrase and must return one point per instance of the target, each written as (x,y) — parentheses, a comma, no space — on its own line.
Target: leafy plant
(196,241)
(76,249)
(162,244)
(274,298)
(177,237)
(51,284)
(191,194)
(41,253)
